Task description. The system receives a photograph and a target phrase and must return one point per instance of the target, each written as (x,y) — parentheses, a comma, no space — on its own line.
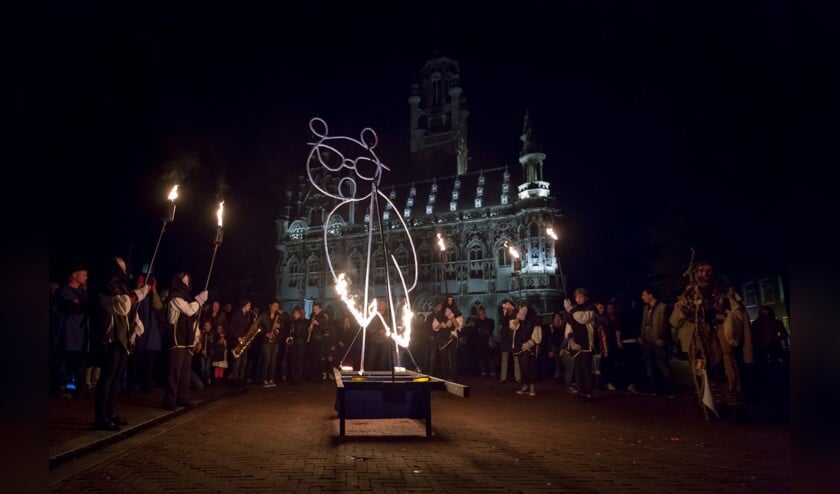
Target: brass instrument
(253,330)
(275,329)
(311,326)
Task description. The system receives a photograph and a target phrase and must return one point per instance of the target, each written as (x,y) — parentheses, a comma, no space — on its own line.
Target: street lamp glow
(441,243)
(550,232)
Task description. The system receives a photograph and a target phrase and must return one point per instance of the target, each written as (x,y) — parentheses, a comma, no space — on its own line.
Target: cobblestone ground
(285,439)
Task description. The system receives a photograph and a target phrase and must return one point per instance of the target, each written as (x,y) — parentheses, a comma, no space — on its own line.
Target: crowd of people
(129,336)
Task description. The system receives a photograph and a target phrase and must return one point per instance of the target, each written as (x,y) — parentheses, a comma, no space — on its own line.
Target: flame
(441,243)
(405,338)
(341,287)
(219,212)
(174,193)
(550,232)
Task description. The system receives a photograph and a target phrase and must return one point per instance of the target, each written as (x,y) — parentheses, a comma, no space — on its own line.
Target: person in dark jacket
(120,328)
(182,314)
(580,329)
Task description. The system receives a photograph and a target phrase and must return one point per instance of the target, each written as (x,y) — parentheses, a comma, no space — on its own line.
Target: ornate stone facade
(475,212)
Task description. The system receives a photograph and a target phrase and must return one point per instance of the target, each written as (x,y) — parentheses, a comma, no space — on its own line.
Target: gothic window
(431,198)
(504,198)
(402,256)
(434,188)
(505,188)
(392,195)
(451,271)
(379,267)
(457,184)
(476,255)
(294,269)
(437,92)
(312,271)
(534,230)
(386,215)
(455,195)
(367,218)
(429,209)
(336,225)
(453,206)
(479,191)
(412,192)
(297,230)
(356,263)
(481,181)
(478,203)
(407,213)
(503,257)
(410,201)
(425,254)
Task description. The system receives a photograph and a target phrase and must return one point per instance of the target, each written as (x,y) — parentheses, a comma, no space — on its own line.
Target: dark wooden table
(385,395)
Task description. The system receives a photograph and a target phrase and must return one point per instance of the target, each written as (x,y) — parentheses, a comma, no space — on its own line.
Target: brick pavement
(285,439)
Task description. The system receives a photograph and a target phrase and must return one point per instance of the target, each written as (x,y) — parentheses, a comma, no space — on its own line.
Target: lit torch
(217,241)
(168,218)
(514,252)
(517,264)
(550,232)
(442,246)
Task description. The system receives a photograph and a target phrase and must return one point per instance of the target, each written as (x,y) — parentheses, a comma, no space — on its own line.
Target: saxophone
(253,330)
(313,323)
(275,329)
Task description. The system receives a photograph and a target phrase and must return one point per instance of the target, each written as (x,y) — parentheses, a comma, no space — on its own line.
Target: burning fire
(219,212)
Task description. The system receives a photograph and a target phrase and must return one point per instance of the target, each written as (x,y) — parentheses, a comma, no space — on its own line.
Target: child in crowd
(219,353)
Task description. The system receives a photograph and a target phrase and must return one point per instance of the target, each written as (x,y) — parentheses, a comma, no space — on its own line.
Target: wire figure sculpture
(349,164)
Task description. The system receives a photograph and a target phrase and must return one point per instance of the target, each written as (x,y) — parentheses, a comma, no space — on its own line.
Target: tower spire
(531,158)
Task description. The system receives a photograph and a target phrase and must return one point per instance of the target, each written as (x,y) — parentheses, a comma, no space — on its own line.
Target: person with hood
(121,326)
(182,311)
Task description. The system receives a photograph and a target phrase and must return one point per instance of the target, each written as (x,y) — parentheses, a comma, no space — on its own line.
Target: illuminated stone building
(476,210)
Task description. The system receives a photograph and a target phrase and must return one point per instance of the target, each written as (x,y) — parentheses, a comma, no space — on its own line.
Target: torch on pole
(554,238)
(168,218)
(216,242)
(442,246)
(517,266)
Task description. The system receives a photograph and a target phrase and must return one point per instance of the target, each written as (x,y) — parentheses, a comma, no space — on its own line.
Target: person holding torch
(182,310)
(121,327)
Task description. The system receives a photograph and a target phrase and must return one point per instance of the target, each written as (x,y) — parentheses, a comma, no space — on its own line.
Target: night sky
(665,126)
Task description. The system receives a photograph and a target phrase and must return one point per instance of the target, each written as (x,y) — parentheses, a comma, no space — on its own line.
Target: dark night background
(665,125)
